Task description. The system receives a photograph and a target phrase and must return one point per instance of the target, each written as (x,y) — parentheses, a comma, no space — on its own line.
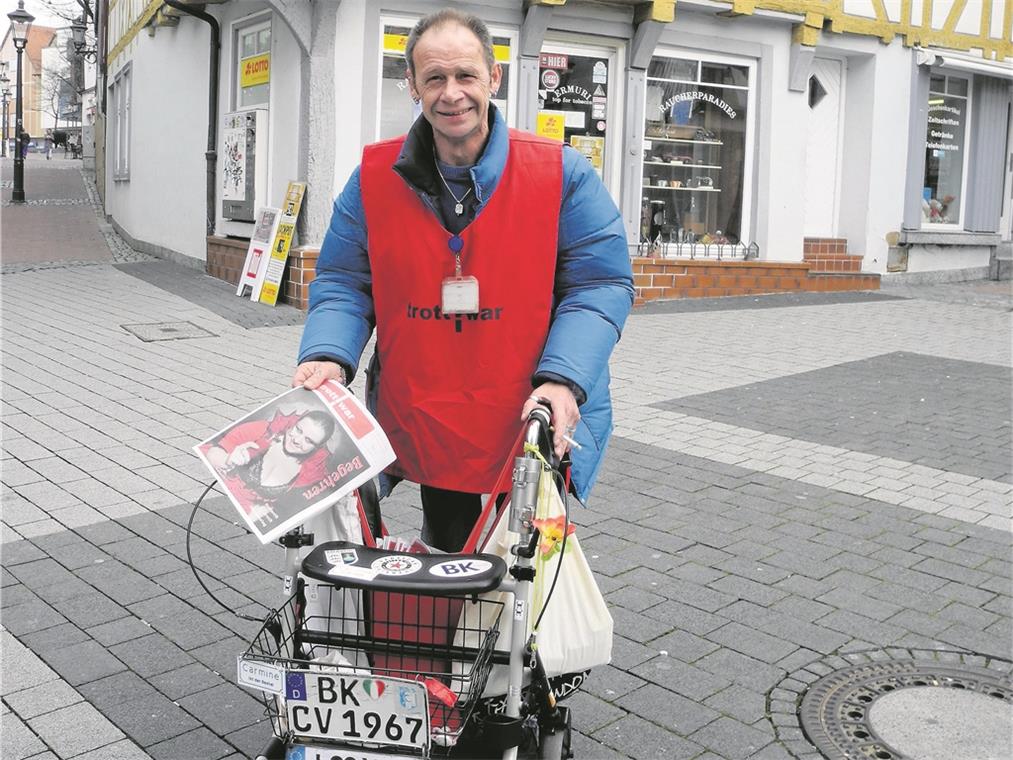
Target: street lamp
(21,23)
(5,92)
(77,30)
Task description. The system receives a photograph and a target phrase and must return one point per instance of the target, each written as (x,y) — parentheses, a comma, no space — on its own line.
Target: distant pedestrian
(25,139)
(49,148)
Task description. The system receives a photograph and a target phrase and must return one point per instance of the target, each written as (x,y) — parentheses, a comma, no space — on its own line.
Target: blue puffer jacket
(593,288)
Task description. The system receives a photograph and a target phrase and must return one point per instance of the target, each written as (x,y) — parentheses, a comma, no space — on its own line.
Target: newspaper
(295,456)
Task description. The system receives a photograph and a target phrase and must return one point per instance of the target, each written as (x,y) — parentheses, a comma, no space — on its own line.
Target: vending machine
(243,169)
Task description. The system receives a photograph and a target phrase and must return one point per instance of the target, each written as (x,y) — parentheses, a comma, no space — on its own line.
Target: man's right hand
(310,375)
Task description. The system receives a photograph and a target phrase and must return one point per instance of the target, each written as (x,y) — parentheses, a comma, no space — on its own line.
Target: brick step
(665,279)
(824,245)
(833,262)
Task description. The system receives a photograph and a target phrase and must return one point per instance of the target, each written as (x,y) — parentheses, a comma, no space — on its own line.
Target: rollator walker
(384,655)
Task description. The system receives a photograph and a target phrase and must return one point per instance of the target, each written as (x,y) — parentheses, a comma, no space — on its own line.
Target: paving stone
(41,699)
(609,683)
(199,743)
(90,609)
(151,655)
(118,631)
(594,713)
(17,740)
(187,680)
(57,637)
(639,739)
(75,729)
(178,621)
(741,704)
(731,739)
(150,720)
(224,708)
(751,642)
(116,689)
(35,615)
(81,663)
(690,681)
(121,750)
(665,708)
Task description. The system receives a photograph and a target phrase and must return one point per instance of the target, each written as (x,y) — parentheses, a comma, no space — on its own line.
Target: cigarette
(570,441)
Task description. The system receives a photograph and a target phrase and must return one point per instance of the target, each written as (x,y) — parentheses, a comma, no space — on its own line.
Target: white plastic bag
(575,633)
(329,608)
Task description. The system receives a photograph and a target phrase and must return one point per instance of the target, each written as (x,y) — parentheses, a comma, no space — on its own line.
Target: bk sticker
(460,568)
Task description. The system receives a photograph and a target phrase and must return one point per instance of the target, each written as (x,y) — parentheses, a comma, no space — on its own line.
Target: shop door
(578,94)
(822,156)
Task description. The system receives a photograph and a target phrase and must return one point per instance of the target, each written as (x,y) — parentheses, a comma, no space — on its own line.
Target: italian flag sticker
(373,688)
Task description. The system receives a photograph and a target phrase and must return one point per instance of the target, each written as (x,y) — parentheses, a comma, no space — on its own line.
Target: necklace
(459,202)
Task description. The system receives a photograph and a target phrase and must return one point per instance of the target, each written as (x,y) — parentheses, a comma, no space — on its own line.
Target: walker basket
(444,642)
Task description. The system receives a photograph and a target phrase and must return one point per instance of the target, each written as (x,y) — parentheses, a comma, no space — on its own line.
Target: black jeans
(448,517)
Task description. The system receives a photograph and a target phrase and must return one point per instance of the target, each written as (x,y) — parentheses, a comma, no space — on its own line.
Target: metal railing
(699,250)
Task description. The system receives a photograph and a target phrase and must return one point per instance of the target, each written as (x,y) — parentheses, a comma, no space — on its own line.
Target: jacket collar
(416,166)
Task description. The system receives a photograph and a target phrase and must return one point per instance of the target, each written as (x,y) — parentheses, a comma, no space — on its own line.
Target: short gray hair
(449,15)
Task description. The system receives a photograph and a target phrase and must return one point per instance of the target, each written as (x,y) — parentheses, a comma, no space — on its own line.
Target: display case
(694,152)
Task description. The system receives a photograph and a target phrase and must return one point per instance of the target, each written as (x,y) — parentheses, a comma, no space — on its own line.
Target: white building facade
(753,125)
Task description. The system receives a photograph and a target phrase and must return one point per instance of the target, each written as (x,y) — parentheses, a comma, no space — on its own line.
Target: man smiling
(481,220)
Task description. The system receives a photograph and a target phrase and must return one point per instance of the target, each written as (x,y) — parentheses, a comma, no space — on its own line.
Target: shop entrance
(578,94)
(823,148)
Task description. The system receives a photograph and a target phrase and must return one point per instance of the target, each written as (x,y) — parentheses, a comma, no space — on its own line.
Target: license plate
(305,752)
(385,711)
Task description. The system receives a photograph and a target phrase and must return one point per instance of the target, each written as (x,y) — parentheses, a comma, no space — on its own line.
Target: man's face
(454,84)
(303,438)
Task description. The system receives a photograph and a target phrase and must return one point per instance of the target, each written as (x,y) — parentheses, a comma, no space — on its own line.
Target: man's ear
(411,85)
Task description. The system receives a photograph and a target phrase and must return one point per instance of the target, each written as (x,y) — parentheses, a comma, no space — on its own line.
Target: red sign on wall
(553,61)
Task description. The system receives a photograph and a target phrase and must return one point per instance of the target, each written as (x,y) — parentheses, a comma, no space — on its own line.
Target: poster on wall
(270,284)
(592,148)
(264,231)
(234,158)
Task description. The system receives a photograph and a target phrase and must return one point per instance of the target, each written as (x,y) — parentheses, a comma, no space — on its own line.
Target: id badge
(460,295)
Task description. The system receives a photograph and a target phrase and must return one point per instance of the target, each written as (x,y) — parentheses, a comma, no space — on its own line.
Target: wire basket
(444,642)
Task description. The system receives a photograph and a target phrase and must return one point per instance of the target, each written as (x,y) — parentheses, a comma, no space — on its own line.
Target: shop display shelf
(684,189)
(692,83)
(684,140)
(681,165)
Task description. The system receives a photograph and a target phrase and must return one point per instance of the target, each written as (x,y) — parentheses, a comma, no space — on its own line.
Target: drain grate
(829,706)
(167,331)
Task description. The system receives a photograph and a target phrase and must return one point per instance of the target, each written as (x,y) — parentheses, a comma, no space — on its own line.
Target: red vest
(452,386)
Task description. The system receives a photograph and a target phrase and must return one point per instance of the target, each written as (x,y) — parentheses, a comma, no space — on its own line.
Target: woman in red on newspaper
(264,460)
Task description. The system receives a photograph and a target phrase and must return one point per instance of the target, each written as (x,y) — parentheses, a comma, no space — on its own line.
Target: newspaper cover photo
(296,455)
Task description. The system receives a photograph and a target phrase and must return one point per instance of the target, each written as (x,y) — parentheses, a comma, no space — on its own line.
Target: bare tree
(70,10)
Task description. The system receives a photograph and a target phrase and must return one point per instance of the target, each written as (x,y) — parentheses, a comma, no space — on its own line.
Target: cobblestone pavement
(776,493)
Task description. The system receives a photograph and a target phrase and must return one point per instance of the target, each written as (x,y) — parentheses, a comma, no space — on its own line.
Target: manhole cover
(167,331)
(898,705)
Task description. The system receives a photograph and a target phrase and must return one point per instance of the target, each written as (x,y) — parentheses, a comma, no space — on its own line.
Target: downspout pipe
(211,155)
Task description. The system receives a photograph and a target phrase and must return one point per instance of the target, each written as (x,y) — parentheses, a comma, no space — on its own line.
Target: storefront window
(695,151)
(397,112)
(253,68)
(945,143)
(573,100)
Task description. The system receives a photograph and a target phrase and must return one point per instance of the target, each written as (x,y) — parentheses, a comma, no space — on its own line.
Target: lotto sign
(255,70)
(270,285)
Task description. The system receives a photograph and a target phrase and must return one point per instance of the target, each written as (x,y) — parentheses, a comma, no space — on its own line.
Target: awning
(952,60)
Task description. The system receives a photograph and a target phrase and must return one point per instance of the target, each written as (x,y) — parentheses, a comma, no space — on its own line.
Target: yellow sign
(397,43)
(551,124)
(255,70)
(282,243)
(592,146)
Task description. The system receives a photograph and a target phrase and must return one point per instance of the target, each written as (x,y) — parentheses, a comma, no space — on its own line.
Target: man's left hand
(565,413)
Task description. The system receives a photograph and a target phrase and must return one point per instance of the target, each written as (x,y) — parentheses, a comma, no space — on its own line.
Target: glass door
(578,97)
